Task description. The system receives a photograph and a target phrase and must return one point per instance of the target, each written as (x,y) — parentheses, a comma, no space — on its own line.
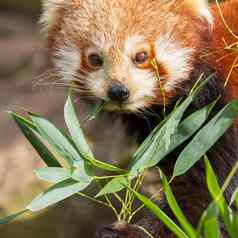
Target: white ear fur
(200,7)
(50,8)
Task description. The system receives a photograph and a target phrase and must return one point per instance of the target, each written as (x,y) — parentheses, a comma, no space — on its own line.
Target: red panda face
(127,52)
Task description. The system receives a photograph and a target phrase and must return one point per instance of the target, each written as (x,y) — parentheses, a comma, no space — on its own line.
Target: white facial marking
(97,83)
(132,43)
(206,13)
(142,85)
(201,7)
(175,59)
(67,61)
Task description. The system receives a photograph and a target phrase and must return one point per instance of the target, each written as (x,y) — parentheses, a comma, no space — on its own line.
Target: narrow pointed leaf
(83,172)
(204,139)
(188,228)
(75,128)
(211,212)
(167,221)
(235,197)
(31,133)
(106,166)
(56,194)
(176,115)
(235,223)
(215,191)
(214,187)
(53,175)
(115,185)
(212,228)
(161,140)
(57,140)
(12,217)
(185,130)
(95,110)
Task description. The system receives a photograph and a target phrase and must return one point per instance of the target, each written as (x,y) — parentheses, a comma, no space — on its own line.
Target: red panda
(106,47)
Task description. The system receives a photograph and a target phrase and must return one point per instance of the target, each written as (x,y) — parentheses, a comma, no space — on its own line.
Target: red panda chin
(126,107)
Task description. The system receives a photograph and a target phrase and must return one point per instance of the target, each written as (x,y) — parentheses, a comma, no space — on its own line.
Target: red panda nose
(118,93)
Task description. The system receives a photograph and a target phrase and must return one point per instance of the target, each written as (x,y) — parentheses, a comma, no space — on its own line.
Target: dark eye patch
(141,58)
(95,60)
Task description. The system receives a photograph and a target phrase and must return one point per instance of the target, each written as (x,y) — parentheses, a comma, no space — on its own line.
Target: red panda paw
(120,230)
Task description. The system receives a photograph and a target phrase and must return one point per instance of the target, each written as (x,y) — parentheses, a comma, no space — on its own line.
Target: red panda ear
(50,10)
(197,7)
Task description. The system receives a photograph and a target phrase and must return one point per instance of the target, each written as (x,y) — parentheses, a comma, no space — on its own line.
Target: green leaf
(215,191)
(53,175)
(12,217)
(106,166)
(167,221)
(75,129)
(56,194)
(204,139)
(214,187)
(31,133)
(211,212)
(188,228)
(160,139)
(114,186)
(96,109)
(234,197)
(185,130)
(83,172)
(145,145)
(235,223)
(212,228)
(150,142)
(57,140)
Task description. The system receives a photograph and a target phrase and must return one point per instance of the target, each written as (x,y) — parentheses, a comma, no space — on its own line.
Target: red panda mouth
(125,107)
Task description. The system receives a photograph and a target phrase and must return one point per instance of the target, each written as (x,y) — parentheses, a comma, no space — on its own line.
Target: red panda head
(130,53)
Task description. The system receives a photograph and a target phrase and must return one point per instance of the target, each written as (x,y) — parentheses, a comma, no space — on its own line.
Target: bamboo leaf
(188,228)
(96,109)
(57,140)
(12,217)
(161,137)
(234,197)
(56,193)
(215,191)
(106,166)
(114,186)
(212,228)
(167,221)
(160,140)
(75,128)
(211,212)
(83,172)
(53,175)
(31,133)
(204,139)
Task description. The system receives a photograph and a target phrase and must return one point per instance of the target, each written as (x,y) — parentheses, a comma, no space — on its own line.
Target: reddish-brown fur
(220,32)
(191,31)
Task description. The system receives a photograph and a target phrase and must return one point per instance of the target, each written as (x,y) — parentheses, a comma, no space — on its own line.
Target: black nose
(118,93)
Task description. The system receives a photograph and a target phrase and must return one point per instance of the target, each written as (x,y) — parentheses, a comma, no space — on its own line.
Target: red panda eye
(95,60)
(141,58)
